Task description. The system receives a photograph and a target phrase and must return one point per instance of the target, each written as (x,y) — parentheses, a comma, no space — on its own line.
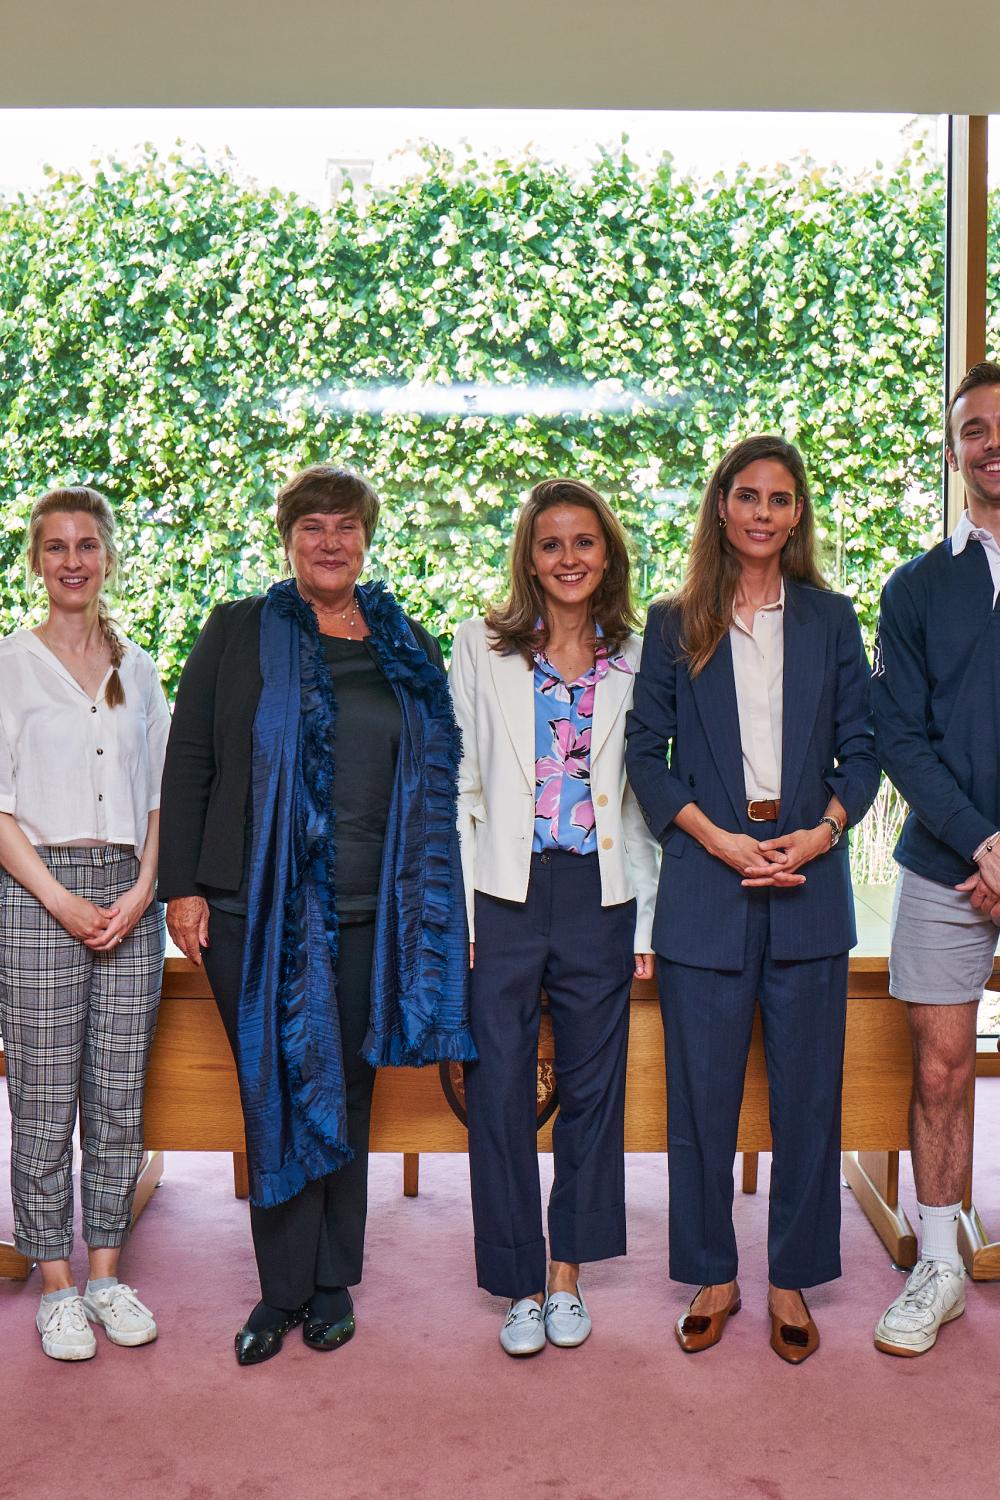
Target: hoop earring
(791,533)
(722,523)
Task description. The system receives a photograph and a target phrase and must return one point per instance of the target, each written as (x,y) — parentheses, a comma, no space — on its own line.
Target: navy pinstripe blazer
(684,746)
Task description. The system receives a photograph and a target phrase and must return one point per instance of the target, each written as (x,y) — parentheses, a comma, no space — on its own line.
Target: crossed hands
(102,928)
(771,862)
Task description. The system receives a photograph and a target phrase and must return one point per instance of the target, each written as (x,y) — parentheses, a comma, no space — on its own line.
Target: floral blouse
(564,812)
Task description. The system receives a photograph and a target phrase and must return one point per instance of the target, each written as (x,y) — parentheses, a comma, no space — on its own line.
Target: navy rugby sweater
(936,696)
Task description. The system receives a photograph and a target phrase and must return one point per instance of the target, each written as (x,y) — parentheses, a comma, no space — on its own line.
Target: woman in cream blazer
(560,879)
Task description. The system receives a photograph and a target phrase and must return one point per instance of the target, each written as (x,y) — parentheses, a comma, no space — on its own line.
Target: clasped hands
(102,928)
(983,888)
(771,862)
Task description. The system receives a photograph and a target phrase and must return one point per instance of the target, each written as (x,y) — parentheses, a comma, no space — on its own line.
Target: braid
(114,693)
(80,499)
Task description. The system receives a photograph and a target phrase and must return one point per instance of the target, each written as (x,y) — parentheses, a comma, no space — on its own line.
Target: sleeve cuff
(966,831)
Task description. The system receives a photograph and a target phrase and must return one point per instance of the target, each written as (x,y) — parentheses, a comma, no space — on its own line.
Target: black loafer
(319,1334)
(254,1348)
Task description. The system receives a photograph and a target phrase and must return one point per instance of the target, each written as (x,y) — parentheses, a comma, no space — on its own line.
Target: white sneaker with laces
(124,1318)
(567,1321)
(934,1294)
(66,1334)
(523,1331)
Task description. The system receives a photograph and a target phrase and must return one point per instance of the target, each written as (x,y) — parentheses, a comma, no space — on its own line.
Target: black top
(366,744)
(206,778)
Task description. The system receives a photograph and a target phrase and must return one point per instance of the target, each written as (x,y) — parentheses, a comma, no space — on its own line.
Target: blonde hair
(81,500)
(512,624)
(705,599)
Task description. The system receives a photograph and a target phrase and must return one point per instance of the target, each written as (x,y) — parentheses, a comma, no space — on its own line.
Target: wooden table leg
(14,1265)
(148,1178)
(241,1175)
(980,1253)
(411,1173)
(751,1160)
(873,1177)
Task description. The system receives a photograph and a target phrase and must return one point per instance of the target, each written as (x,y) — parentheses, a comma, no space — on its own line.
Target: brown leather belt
(764,812)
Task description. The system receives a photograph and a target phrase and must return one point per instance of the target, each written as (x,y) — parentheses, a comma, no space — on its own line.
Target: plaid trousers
(76,1025)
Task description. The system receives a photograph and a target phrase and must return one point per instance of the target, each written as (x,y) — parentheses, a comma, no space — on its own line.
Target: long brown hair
(79,499)
(513,623)
(705,599)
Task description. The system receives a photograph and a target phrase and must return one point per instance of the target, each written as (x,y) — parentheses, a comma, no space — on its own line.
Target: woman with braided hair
(83,728)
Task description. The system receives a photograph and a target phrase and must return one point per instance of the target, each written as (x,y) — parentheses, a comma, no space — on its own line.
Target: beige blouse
(758,667)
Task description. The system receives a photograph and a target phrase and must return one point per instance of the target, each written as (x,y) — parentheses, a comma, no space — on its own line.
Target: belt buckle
(755,802)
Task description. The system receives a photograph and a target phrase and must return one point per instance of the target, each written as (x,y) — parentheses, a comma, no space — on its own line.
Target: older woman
(310,855)
(83,724)
(560,877)
(750,750)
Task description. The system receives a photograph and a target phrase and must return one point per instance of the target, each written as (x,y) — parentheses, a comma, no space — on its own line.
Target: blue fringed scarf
(291,1062)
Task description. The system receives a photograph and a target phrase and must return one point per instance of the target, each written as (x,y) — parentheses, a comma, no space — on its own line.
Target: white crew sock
(939,1237)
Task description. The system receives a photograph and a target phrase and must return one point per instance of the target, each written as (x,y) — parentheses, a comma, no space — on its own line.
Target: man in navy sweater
(936,693)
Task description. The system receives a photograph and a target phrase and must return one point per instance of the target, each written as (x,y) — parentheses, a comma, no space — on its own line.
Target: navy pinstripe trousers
(561,938)
(707,1019)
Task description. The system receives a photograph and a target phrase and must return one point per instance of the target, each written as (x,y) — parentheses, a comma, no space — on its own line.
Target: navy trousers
(707,1019)
(563,939)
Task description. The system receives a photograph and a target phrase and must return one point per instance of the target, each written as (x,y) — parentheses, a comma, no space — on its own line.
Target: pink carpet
(424,1403)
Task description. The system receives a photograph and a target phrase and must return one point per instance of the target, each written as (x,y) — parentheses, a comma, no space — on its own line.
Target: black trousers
(561,938)
(317,1238)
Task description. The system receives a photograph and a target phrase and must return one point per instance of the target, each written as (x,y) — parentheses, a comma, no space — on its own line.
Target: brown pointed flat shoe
(790,1341)
(698,1331)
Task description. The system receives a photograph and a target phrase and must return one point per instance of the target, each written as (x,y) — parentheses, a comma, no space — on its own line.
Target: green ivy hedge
(185,342)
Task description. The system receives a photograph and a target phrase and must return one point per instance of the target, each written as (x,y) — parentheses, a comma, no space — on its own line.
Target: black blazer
(684,746)
(206,776)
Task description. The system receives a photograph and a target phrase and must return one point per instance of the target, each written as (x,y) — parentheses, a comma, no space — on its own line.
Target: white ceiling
(903,55)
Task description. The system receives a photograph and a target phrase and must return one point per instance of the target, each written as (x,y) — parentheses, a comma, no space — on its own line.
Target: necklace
(93,678)
(353,612)
(349,617)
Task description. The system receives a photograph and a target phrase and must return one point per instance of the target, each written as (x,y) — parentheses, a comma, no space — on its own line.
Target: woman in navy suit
(750,752)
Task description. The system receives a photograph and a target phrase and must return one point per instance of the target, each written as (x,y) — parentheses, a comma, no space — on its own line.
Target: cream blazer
(494,698)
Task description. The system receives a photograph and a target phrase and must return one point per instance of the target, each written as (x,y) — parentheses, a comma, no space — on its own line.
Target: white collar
(964,530)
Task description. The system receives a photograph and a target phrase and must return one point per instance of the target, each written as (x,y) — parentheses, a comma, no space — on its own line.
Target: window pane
(612,296)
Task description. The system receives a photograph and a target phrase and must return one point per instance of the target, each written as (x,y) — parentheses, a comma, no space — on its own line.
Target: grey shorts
(941,950)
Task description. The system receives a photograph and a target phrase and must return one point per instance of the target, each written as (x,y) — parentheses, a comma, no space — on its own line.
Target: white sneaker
(523,1331)
(124,1318)
(567,1321)
(934,1294)
(64,1328)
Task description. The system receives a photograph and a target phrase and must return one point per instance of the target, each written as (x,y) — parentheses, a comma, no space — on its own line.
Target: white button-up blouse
(758,667)
(73,770)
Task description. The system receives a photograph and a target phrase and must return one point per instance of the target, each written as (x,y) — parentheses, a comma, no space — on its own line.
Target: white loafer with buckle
(523,1331)
(567,1321)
